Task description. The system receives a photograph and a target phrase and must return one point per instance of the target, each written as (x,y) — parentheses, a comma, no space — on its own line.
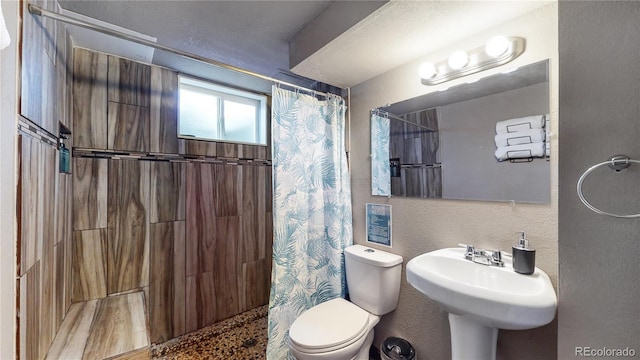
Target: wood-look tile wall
(44,195)
(196,236)
(43,98)
(45,243)
(418,150)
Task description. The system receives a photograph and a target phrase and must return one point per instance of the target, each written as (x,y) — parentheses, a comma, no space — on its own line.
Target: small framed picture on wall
(379,224)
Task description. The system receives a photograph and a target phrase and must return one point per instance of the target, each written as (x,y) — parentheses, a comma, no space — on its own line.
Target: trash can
(394,348)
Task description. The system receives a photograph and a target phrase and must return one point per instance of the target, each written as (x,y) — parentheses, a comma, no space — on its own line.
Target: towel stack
(521,138)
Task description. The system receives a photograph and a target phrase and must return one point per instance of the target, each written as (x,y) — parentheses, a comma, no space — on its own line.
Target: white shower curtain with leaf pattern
(311,209)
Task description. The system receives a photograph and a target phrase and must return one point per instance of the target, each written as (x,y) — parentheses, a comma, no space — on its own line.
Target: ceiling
(307,42)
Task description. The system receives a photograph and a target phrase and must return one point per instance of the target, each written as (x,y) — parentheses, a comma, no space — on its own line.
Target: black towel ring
(617,163)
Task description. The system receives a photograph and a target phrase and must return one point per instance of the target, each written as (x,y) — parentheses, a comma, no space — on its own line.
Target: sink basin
(481,299)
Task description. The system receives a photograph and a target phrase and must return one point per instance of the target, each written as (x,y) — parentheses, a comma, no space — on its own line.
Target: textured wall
(8,120)
(599,96)
(421,225)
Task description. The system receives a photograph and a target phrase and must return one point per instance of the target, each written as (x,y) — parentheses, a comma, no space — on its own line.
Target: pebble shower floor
(242,337)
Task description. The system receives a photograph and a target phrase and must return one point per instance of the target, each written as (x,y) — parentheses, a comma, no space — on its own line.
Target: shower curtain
(311,209)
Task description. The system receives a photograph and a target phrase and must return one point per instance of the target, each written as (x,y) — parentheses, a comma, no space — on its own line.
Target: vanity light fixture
(458,60)
(498,51)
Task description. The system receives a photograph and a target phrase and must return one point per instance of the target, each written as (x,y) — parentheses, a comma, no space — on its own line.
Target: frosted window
(239,122)
(212,112)
(198,114)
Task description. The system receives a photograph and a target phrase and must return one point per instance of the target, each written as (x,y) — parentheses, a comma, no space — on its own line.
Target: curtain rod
(36,10)
(390,115)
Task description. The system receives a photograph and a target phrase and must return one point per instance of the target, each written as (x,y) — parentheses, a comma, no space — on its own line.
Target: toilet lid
(329,324)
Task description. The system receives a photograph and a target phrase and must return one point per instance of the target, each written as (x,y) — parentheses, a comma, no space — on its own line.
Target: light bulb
(427,70)
(458,60)
(497,46)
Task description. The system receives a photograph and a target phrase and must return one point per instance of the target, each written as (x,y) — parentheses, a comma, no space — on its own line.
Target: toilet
(341,330)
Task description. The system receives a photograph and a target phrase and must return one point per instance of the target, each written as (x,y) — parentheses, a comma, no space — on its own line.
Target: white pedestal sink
(481,299)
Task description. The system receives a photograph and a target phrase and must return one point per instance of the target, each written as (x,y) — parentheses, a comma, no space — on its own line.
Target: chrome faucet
(484,257)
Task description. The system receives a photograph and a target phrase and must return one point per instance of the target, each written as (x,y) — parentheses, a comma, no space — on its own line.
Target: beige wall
(599,267)
(8,121)
(422,225)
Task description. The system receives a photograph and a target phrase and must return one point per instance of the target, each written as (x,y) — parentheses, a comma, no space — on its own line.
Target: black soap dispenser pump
(524,258)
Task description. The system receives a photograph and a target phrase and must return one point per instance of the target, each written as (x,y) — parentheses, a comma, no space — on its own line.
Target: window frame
(226,93)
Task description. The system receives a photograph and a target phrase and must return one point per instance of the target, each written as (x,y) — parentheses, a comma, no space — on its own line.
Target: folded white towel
(547,148)
(4,34)
(520,137)
(521,151)
(547,125)
(520,124)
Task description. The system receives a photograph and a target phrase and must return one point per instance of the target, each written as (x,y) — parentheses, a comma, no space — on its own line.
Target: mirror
(480,141)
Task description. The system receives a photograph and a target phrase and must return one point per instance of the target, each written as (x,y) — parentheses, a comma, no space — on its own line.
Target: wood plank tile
(30,226)
(89,193)
(249,151)
(249,219)
(89,98)
(254,152)
(72,337)
(241,277)
(129,82)
(147,306)
(49,28)
(207,299)
(201,210)
(59,309)
(192,309)
(164,111)
(89,265)
(64,214)
(198,147)
(167,200)
(128,127)
(229,150)
(228,265)
(62,87)
(33,56)
(128,246)
(227,190)
(257,283)
(48,186)
(30,314)
(64,211)
(68,272)
(262,182)
(179,275)
(48,120)
(119,327)
(268,245)
(161,282)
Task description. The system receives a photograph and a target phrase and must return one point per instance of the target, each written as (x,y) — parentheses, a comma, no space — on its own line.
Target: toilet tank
(373,278)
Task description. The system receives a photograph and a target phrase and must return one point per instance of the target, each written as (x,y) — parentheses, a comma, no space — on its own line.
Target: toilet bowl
(336,329)
(341,330)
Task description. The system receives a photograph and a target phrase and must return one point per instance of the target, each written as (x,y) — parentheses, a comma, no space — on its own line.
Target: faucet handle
(468,248)
(469,251)
(496,257)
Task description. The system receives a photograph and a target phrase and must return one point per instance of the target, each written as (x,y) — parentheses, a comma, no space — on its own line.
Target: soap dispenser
(524,258)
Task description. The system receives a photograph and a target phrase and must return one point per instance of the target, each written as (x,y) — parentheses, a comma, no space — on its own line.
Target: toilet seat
(329,326)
